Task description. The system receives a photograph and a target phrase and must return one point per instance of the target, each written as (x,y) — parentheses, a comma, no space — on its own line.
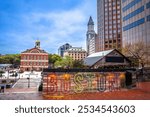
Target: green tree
(66,62)
(10,59)
(59,64)
(54,58)
(78,64)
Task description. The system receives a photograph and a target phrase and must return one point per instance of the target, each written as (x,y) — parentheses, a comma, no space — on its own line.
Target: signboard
(61,83)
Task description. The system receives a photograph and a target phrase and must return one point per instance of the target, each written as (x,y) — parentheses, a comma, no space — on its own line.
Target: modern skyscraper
(63,48)
(90,37)
(136,21)
(109,25)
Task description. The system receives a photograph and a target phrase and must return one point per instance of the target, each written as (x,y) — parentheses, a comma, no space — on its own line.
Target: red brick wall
(29,57)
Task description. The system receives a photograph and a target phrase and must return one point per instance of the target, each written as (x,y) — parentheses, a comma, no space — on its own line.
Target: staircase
(24,82)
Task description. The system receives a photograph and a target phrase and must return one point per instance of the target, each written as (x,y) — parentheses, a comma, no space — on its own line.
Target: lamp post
(19,74)
(28,78)
(15,76)
(8,74)
(28,82)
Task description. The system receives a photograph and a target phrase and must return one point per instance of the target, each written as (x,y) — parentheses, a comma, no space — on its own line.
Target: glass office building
(109,25)
(136,21)
(63,48)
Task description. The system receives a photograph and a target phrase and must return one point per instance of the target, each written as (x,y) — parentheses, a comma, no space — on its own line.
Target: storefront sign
(69,83)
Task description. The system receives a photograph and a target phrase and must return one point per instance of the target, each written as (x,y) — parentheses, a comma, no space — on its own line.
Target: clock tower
(90,37)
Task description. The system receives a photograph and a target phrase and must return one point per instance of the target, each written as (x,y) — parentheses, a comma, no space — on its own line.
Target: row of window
(114,30)
(110,36)
(112,41)
(34,57)
(114,19)
(110,13)
(73,55)
(148,5)
(134,24)
(110,8)
(131,4)
(112,2)
(113,24)
(35,63)
(148,18)
(110,46)
(113,27)
(139,10)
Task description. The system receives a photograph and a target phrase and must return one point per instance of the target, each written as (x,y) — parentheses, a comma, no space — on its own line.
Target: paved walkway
(135,94)
(32,94)
(20,90)
(24,82)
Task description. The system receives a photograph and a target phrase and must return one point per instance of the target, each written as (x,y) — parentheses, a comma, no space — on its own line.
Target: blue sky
(53,22)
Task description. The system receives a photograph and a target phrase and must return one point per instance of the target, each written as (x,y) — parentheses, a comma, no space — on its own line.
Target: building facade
(136,21)
(63,48)
(34,59)
(109,25)
(136,24)
(76,53)
(91,37)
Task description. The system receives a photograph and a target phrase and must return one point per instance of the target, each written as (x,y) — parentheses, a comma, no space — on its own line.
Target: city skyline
(54,23)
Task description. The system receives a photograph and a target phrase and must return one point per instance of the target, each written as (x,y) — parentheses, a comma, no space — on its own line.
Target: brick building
(34,59)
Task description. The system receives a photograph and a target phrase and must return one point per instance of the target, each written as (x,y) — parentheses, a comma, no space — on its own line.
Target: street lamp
(19,74)
(28,78)
(16,74)
(8,74)
(28,82)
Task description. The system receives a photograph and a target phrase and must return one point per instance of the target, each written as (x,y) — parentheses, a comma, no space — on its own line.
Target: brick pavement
(140,93)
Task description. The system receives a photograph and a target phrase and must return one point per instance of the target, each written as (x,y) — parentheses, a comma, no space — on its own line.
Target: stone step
(23,83)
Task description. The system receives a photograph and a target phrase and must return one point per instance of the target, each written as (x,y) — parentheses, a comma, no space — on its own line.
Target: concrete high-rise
(109,25)
(90,37)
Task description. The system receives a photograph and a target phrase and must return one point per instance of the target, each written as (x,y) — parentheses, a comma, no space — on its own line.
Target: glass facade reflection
(136,21)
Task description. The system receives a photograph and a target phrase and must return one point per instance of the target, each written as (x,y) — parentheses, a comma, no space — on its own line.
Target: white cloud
(58,27)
